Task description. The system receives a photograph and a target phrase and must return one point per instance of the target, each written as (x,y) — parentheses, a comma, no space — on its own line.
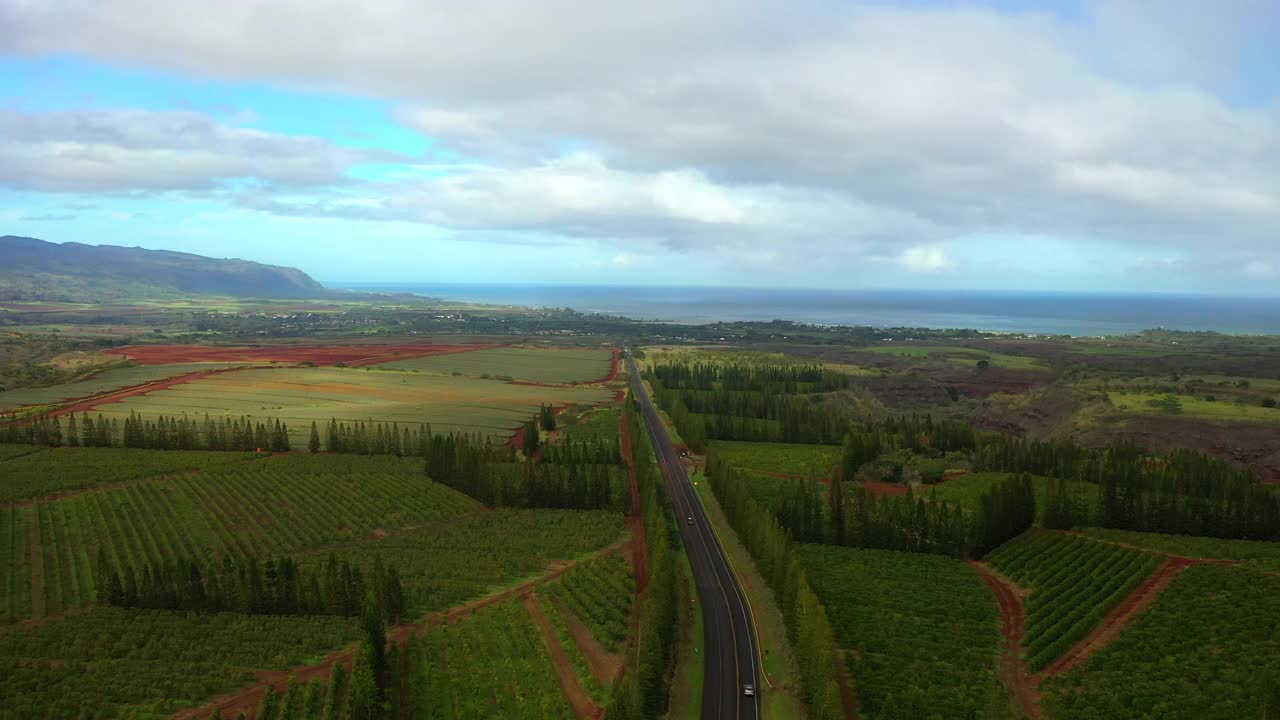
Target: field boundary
(1013,671)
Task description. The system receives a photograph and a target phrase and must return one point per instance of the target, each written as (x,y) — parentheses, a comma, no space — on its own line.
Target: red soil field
(353,355)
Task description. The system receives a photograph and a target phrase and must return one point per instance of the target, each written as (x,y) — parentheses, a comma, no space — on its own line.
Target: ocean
(1059,313)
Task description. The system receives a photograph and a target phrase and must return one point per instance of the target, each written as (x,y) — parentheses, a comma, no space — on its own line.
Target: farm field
(966,491)
(599,594)
(1140,404)
(146,664)
(104,382)
(1074,582)
(1254,554)
(577,365)
(450,562)
(491,664)
(1204,650)
(30,471)
(596,425)
(262,508)
(300,396)
(780,458)
(311,353)
(921,632)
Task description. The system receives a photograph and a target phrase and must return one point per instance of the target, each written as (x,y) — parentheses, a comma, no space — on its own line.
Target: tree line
(275,586)
(242,434)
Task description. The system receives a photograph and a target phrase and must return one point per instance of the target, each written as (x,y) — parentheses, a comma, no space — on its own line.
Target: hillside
(74,272)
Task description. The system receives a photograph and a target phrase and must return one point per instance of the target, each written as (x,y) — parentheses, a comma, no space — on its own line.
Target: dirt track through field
(91,403)
(570,684)
(605,666)
(848,697)
(1022,691)
(1119,617)
(246,700)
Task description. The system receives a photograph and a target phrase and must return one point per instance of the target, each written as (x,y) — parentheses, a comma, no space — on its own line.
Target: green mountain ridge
(36,270)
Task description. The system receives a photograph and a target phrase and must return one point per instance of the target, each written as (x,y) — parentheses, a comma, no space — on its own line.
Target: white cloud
(924,259)
(841,128)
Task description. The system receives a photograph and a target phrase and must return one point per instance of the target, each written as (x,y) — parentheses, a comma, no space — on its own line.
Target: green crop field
(1142,404)
(923,629)
(104,382)
(600,424)
(781,458)
(599,594)
(44,471)
(492,664)
(262,508)
(451,562)
(1074,582)
(1249,553)
(146,664)
(1204,650)
(300,396)
(531,365)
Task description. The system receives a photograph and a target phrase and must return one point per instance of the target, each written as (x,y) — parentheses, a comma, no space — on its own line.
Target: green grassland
(576,365)
(146,664)
(959,356)
(1074,582)
(921,629)
(1206,649)
(599,424)
(300,396)
(1141,404)
(782,458)
(107,381)
(1249,553)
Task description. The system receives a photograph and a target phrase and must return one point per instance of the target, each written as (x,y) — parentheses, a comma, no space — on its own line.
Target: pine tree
(334,701)
(375,635)
(364,703)
(291,704)
(217,714)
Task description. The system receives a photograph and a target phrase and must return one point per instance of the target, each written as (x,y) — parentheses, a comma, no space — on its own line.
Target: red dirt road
(848,698)
(605,666)
(1120,616)
(353,355)
(116,396)
(570,685)
(1022,691)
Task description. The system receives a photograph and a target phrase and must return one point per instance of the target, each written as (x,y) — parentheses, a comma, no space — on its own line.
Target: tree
(375,634)
(530,438)
(291,704)
(547,416)
(314,444)
(1268,402)
(365,704)
(217,714)
(337,693)
(983,364)
(268,705)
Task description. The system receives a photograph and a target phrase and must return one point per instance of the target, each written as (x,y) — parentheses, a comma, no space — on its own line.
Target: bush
(1268,402)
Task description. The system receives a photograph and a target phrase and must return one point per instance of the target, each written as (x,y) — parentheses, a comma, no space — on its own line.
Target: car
(749,690)
(690,519)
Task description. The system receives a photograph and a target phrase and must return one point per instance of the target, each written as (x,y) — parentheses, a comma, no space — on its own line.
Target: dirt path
(246,699)
(848,698)
(570,685)
(605,666)
(1120,616)
(639,550)
(1022,691)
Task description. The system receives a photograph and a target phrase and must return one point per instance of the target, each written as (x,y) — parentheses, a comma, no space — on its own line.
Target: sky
(1098,145)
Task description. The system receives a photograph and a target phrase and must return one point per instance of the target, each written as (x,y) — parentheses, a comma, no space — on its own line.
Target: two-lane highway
(730,636)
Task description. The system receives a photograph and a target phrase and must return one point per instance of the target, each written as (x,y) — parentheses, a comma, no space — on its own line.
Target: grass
(959,356)
(595,425)
(300,396)
(967,490)
(530,365)
(1140,404)
(1250,553)
(771,631)
(690,672)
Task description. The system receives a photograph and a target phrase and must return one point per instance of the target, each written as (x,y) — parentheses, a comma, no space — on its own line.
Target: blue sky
(1079,146)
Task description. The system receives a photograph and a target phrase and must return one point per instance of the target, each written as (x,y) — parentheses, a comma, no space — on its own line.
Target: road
(730,637)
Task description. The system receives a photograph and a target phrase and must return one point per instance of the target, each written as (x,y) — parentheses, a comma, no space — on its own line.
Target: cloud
(924,259)
(837,128)
(119,150)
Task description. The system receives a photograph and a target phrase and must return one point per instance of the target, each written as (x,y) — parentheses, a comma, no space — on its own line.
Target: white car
(749,690)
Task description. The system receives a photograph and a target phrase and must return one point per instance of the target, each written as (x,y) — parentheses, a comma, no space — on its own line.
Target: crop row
(921,626)
(599,593)
(144,663)
(15,562)
(267,508)
(599,691)
(451,562)
(44,471)
(1206,649)
(1074,582)
(491,664)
